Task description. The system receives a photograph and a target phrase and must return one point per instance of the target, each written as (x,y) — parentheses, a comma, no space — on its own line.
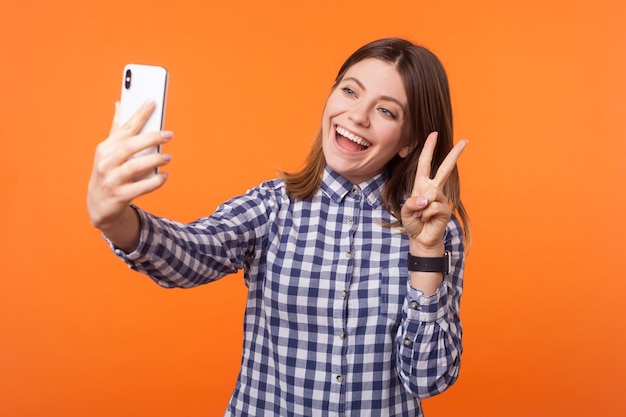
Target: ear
(404,152)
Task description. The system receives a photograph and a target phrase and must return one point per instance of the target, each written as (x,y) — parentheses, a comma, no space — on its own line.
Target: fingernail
(167,157)
(167,135)
(422,201)
(148,103)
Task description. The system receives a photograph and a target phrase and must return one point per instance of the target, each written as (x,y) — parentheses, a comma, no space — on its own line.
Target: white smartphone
(141,83)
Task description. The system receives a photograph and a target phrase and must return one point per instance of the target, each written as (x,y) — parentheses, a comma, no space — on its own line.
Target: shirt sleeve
(182,255)
(429,336)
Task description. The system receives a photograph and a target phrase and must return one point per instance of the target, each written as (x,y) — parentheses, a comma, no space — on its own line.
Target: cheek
(326,114)
(335,104)
(325,127)
(392,135)
(396,142)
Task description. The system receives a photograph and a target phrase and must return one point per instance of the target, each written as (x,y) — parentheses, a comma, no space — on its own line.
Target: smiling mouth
(350,141)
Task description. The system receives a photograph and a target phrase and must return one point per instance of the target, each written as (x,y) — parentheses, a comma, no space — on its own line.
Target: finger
(419,203)
(118,152)
(130,191)
(414,204)
(141,165)
(133,125)
(116,117)
(142,142)
(426,157)
(111,155)
(448,164)
(437,203)
(435,194)
(435,210)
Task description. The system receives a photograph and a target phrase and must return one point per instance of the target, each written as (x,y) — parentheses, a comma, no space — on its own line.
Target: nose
(359,114)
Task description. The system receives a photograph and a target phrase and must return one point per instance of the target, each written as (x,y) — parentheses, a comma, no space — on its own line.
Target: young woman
(354,266)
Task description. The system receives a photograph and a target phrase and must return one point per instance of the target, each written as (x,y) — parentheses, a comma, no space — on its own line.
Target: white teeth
(354,138)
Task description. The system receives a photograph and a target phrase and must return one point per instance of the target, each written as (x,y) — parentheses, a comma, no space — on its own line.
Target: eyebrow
(386,98)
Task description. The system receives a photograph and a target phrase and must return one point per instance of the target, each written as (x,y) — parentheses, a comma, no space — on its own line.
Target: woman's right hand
(111,188)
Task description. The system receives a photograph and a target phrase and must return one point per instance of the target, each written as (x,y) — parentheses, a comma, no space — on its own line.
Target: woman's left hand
(427,212)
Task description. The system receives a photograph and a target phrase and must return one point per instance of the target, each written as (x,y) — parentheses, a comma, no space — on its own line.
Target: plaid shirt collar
(337,187)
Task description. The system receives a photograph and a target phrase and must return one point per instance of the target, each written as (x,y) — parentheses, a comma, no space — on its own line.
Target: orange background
(538,88)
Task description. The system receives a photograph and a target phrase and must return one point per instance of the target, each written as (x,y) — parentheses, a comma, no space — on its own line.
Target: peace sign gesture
(426,213)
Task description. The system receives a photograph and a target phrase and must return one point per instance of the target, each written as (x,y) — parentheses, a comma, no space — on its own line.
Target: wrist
(418,249)
(124,231)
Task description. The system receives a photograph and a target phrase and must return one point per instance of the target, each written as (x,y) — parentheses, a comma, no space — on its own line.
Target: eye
(386,112)
(348,91)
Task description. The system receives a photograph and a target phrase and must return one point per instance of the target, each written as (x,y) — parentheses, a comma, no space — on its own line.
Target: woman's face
(363,120)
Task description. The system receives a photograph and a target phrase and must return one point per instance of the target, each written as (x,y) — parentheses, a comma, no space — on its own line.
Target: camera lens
(127,79)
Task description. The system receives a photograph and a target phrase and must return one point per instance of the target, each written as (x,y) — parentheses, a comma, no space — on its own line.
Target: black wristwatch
(421,264)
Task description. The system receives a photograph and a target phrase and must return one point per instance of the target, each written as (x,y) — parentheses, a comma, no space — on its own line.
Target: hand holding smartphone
(141,83)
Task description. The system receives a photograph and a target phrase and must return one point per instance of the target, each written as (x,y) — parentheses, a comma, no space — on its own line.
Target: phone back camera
(127,79)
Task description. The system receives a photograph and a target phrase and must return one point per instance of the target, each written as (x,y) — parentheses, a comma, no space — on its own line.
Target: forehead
(378,77)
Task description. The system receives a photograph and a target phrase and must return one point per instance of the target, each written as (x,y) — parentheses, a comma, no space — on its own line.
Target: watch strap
(423,264)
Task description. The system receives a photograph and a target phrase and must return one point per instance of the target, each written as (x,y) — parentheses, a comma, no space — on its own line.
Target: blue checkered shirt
(332,326)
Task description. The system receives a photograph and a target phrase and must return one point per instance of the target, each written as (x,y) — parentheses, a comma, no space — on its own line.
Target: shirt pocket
(392,294)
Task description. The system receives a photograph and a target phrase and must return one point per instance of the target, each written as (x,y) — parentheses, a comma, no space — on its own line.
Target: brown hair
(429,110)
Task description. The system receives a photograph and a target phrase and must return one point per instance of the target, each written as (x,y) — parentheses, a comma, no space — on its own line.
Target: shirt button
(414,305)
(350,222)
(342,335)
(344,293)
(339,378)
(348,255)
(407,341)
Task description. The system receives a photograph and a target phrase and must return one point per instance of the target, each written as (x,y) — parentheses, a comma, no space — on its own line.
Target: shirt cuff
(421,308)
